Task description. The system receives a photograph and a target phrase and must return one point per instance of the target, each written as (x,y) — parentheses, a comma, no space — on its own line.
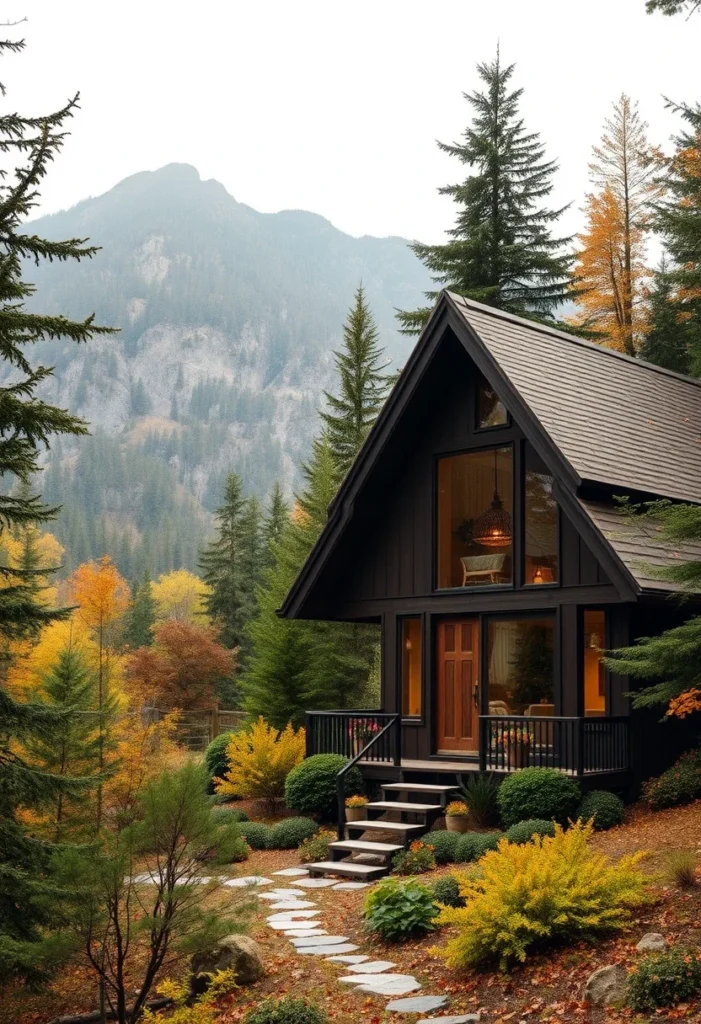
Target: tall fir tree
(27,425)
(253,557)
(667,341)
(276,515)
(221,565)
(362,386)
(501,250)
(141,616)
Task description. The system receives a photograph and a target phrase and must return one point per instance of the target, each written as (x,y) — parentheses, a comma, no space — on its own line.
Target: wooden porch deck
(433,765)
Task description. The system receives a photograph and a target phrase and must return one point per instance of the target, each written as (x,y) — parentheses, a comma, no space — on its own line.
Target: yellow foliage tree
(555,888)
(260,759)
(180,595)
(143,747)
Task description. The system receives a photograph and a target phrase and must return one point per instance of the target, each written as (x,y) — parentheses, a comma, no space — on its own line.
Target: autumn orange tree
(610,271)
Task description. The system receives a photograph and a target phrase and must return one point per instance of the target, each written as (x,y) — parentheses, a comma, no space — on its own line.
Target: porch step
(417,787)
(400,828)
(396,805)
(348,869)
(351,846)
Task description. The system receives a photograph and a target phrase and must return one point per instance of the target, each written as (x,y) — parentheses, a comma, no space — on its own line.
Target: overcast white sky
(334,106)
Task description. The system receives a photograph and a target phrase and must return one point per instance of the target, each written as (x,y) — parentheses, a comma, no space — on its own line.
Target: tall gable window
(541,523)
(475,518)
(491,412)
(411,667)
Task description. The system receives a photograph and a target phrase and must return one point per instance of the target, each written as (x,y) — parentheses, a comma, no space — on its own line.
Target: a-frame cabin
(478,527)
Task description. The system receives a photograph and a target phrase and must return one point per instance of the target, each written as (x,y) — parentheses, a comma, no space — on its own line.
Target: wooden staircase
(363,858)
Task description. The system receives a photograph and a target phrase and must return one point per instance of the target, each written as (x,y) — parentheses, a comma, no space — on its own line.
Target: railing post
(483,723)
(398,741)
(580,748)
(341,830)
(308,735)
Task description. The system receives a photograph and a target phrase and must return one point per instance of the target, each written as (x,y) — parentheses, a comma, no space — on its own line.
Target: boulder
(652,942)
(606,986)
(236,953)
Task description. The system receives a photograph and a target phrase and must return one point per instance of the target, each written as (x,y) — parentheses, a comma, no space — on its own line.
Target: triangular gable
(448,315)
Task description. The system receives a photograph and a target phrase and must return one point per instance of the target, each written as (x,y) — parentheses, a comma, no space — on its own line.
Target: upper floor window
(541,523)
(475,518)
(491,412)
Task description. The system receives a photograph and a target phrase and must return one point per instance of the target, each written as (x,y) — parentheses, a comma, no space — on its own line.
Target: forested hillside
(228,318)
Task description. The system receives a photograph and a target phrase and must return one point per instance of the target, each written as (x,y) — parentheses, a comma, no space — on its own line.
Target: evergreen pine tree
(276,516)
(141,616)
(671,7)
(667,340)
(501,251)
(363,386)
(27,424)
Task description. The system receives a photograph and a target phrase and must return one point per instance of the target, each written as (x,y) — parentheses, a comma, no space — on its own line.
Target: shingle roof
(617,420)
(638,544)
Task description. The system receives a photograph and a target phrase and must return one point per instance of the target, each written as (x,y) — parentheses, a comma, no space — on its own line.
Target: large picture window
(475,518)
(520,666)
(411,667)
(541,523)
(594,671)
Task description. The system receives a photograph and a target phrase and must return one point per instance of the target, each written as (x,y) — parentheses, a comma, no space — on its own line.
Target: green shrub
(398,910)
(312,786)
(446,891)
(663,979)
(543,793)
(290,832)
(256,834)
(473,845)
(605,808)
(414,861)
(286,1011)
(215,756)
(525,830)
(444,845)
(228,814)
(317,846)
(233,848)
(680,784)
(479,792)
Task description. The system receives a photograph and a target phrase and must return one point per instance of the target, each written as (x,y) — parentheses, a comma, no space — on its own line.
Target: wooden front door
(457,710)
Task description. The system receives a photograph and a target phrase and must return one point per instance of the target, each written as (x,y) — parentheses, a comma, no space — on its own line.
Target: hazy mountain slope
(228,318)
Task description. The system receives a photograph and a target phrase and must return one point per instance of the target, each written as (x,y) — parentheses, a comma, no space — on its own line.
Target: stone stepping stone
(347,959)
(463,1018)
(317,883)
(323,940)
(291,915)
(282,894)
(285,926)
(417,1004)
(349,886)
(383,984)
(371,966)
(292,872)
(347,947)
(239,883)
(292,905)
(301,933)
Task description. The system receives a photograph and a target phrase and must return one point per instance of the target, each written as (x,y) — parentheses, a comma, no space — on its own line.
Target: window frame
(581,695)
(419,719)
(523,469)
(515,614)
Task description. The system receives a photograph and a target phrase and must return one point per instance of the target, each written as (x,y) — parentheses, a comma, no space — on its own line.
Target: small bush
(525,830)
(312,786)
(680,784)
(446,892)
(473,845)
(543,793)
(414,861)
(605,808)
(480,794)
(230,814)
(356,801)
(444,845)
(286,1011)
(681,867)
(233,848)
(256,834)
(400,910)
(215,757)
(663,979)
(290,832)
(549,889)
(317,847)
(259,760)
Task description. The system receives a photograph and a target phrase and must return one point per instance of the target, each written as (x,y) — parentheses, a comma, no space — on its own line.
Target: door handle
(475,694)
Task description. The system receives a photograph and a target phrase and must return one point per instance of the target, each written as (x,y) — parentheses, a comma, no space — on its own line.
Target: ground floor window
(521,666)
(593,670)
(411,667)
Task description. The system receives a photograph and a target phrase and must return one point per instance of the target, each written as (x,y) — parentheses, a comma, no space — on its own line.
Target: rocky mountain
(227,321)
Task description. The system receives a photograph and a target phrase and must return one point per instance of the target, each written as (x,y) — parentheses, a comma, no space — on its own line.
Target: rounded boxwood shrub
(663,979)
(524,831)
(289,833)
(542,793)
(446,891)
(256,834)
(312,787)
(473,845)
(680,784)
(226,815)
(286,1011)
(444,845)
(605,808)
(215,756)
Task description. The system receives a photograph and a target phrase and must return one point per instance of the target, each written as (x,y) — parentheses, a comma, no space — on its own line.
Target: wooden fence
(196,729)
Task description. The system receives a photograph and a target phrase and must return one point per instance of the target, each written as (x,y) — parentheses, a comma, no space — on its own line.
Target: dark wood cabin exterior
(494,608)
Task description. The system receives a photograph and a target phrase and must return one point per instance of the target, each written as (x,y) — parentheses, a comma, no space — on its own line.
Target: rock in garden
(606,986)
(462,1018)
(417,1004)
(652,942)
(236,953)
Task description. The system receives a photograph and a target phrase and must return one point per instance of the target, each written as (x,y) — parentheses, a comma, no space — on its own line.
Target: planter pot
(355,813)
(457,822)
(517,754)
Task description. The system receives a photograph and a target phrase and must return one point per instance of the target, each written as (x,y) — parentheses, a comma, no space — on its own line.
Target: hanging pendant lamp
(492,529)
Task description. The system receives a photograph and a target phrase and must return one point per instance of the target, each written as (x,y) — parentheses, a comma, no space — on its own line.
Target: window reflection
(541,523)
(411,667)
(491,411)
(520,666)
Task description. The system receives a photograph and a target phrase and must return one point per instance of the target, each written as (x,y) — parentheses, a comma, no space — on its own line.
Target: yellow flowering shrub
(204,1009)
(551,888)
(260,759)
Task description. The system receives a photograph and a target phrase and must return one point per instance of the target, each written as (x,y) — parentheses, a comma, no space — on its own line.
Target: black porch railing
(352,733)
(577,746)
